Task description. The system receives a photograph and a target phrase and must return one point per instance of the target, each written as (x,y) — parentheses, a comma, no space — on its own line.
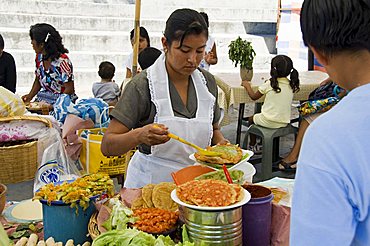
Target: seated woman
(54,70)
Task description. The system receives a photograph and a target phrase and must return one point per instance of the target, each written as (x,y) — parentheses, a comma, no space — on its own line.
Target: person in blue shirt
(331,200)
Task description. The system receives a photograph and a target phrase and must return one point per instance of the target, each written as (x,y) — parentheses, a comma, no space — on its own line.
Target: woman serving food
(172,94)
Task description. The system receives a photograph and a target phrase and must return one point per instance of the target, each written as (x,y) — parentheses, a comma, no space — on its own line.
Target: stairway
(97,30)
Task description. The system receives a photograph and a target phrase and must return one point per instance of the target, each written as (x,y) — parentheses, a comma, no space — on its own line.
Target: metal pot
(216,227)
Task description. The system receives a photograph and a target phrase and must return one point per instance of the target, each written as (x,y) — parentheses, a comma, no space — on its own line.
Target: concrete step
(83,60)
(213,4)
(117,41)
(92,23)
(98,41)
(83,73)
(97,30)
(26,58)
(246,11)
(84,79)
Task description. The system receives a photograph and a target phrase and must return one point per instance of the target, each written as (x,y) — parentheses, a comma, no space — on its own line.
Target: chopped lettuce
(164,241)
(124,238)
(128,237)
(120,216)
(236,175)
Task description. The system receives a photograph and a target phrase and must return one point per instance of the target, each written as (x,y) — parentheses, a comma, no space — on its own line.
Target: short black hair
(184,22)
(106,70)
(143,34)
(1,42)
(332,26)
(148,56)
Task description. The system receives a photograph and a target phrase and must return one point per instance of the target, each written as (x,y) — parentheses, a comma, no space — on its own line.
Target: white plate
(250,154)
(245,199)
(26,211)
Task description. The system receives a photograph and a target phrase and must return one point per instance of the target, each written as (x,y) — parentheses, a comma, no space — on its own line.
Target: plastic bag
(317,106)
(10,104)
(325,91)
(55,166)
(93,160)
(91,108)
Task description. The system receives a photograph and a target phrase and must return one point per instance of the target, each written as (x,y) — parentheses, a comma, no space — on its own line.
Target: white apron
(171,156)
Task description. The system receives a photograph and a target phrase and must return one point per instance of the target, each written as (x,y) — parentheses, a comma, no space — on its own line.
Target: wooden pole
(136,37)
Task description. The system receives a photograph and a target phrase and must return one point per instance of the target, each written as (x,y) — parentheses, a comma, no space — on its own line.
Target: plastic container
(248,169)
(189,173)
(257,216)
(63,222)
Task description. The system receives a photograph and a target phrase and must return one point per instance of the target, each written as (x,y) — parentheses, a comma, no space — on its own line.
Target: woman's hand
(153,134)
(208,57)
(223,141)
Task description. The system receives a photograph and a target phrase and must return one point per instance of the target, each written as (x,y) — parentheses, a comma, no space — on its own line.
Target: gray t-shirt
(134,108)
(108,91)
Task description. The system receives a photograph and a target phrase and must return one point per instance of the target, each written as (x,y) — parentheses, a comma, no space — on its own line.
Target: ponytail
(294,80)
(273,80)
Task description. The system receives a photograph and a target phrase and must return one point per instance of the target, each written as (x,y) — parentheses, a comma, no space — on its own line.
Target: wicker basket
(93,226)
(19,162)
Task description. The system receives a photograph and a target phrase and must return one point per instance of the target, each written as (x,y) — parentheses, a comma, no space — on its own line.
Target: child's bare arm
(252,94)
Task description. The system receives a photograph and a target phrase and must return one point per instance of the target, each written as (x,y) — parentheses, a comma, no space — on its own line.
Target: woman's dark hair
(332,25)
(184,22)
(106,70)
(143,34)
(282,66)
(46,34)
(205,16)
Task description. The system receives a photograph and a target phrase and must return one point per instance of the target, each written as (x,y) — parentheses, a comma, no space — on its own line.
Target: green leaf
(7,226)
(22,227)
(18,234)
(241,52)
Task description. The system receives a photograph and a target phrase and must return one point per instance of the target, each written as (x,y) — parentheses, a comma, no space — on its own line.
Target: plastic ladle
(200,150)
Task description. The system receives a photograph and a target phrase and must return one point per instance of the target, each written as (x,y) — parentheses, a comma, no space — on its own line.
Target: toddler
(106,89)
(278,91)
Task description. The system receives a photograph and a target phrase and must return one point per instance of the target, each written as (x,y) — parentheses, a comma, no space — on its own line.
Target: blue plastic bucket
(63,222)
(257,217)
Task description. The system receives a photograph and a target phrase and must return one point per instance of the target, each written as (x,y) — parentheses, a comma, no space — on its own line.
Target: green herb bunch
(241,52)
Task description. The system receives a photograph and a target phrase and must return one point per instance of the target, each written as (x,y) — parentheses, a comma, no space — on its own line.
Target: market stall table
(230,83)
